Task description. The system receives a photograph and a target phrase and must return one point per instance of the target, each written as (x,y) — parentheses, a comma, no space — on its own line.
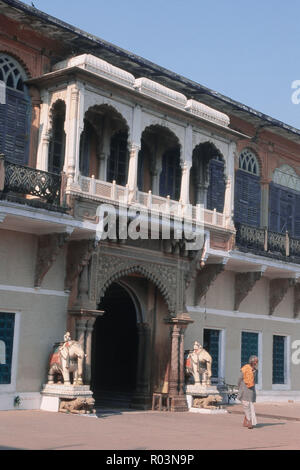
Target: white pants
(249,411)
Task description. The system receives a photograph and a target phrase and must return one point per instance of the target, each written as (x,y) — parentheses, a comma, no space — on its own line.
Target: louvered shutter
(216,189)
(247,198)
(170,177)
(297,217)
(14,127)
(284,210)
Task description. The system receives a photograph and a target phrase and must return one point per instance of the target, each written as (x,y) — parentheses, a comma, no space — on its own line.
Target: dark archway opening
(115,345)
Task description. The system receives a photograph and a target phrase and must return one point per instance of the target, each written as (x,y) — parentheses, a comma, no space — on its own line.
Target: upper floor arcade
(114,137)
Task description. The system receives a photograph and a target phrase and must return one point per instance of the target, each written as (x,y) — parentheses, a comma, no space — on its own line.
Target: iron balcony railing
(267,243)
(38,188)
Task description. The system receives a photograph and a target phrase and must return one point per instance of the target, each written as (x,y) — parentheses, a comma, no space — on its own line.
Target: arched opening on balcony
(247,205)
(159,167)
(15,111)
(58,138)
(207,183)
(104,145)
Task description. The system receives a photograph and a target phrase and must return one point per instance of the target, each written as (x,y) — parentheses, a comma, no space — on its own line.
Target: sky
(246,50)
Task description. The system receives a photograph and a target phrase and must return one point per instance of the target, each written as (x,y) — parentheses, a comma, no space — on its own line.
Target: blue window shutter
(297,217)
(278,359)
(170,177)
(284,210)
(247,198)
(216,189)
(7,325)
(211,341)
(14,127)
(249,346)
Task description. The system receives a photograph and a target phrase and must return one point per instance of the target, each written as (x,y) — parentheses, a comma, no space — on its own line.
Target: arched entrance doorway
(115,347)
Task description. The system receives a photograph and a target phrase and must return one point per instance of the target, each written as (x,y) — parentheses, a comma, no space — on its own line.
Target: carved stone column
(176,375)
(132,171)
(142,398)
(185,183)
(44,133)
(84,326)
(73,129)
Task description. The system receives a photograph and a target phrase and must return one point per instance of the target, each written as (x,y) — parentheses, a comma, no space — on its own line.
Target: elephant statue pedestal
(76,399)
(65,391)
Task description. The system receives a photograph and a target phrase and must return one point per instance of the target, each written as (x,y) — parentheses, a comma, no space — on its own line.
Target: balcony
(266,243)
(29,186)
(103,191)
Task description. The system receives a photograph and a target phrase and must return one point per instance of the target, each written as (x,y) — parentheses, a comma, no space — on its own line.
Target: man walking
(247,392)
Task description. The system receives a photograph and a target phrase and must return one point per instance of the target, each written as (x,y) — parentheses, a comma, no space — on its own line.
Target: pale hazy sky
(247,50)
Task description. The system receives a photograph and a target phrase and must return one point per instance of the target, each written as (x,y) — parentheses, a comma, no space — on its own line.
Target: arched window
(207,177)
(248,162)
(15,113)
(247,190)
(117,167)
(284,201)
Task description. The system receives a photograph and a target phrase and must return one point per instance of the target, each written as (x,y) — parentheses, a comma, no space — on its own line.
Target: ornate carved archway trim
(112,269)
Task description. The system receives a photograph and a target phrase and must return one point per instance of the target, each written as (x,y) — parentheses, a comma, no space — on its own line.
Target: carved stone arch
(158,123)
(113,106)
(112,269)
(214,147)
(54,104)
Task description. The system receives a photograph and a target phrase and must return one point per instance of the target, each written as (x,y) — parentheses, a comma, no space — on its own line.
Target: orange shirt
(248,376)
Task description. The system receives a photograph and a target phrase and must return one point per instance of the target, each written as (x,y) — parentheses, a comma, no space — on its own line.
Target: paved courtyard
(278,428)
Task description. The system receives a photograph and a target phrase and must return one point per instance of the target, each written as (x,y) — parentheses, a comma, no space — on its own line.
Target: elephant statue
(198,365)
(67,357)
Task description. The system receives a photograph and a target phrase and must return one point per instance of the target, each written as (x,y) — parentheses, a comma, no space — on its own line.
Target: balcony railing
(28,185)
(267,243)
(111,192)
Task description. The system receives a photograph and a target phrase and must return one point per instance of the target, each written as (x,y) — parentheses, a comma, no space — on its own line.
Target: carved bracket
(79,255)
(244,283)
(278,289)
(49,247)
(296,300)
(205,278)
(196,264)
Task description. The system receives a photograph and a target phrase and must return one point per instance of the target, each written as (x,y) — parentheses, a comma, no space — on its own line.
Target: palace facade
(88,128)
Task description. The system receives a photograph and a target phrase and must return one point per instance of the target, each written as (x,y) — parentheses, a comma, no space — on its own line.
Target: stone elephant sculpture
(67,358)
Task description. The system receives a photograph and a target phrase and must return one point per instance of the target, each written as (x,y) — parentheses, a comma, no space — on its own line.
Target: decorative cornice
(206,112)
(160,92)
(98,66)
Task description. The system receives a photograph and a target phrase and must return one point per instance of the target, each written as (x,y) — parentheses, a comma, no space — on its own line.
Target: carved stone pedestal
(77,399)
(206,396)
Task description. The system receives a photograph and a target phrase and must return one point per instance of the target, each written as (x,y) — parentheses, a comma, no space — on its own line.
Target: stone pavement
(112,430)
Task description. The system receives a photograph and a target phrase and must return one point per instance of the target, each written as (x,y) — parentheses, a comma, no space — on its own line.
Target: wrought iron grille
(250,237)
(267,243)
(25,180)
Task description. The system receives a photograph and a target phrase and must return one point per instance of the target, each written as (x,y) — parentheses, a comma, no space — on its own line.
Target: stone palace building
(85,127)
